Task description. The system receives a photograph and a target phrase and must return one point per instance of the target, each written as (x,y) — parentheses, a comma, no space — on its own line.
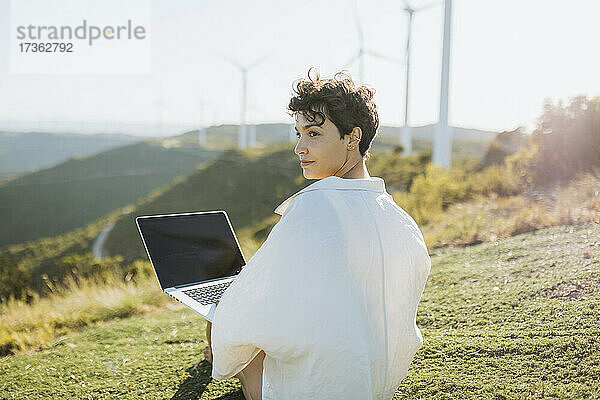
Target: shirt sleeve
(265,306)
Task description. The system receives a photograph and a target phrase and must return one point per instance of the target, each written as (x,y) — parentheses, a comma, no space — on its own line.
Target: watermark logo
(80,36)
(89,33)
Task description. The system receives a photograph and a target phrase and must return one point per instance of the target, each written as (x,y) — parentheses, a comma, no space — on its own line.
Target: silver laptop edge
(177,292)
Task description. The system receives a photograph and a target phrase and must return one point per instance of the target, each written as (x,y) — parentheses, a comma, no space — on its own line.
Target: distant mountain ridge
(24,152)
(270,133)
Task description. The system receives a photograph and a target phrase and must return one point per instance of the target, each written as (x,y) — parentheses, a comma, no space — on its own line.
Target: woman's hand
(208,354)
(208,349)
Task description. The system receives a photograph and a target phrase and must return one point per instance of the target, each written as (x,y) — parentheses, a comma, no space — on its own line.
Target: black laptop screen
(188,248)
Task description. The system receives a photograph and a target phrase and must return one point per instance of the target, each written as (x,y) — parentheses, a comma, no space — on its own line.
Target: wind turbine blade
(357,23)
(428,6)
(261,59)
(383,57)
(230,60)
(350,61)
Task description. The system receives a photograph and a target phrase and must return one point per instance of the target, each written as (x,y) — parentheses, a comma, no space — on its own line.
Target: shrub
(139,269)
(503,145)
(495,179)
(86,266)
(14,280)
(398,172)
(565,143)
(523,164)
(531,219)
(432,193)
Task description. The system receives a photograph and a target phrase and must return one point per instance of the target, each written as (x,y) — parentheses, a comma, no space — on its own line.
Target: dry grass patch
(72,306)
(490,218)
(573,290)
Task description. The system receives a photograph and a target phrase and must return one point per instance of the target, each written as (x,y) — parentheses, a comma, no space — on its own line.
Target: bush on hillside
(84,266)
(433,192)
(139,269)
(15,280)
(565,143)
(503,145)
(398,172)
(495,179)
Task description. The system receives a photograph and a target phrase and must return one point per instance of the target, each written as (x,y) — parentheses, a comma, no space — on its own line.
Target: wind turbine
(406,133)
(244,69)
(361,47)
(442,143)
(253,111)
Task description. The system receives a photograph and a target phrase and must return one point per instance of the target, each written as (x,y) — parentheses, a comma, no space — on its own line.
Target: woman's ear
(356,133)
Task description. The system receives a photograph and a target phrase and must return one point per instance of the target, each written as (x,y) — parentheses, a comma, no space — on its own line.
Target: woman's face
(321,145)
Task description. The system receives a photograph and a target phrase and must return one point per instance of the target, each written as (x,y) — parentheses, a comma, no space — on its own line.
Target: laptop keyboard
(208,294)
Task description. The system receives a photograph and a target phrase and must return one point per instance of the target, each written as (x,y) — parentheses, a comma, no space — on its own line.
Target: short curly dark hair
(340,100)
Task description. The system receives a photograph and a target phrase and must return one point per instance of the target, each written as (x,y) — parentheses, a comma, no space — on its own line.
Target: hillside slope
(270,175)
(510,319)
(266,176)
(67,196)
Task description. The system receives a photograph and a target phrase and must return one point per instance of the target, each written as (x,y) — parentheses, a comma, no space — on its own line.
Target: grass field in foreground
(513,319)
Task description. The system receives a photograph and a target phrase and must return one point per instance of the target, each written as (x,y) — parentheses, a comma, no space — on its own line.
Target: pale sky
(507,57)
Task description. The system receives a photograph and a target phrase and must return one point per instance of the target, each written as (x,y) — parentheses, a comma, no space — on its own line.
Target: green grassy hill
(248,185)
(69,195)
(31,261)
(81,193)
(512,319)
(270,175)
(59,199)
(44,256)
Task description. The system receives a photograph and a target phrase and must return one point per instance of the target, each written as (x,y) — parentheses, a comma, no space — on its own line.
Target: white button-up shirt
(331,296)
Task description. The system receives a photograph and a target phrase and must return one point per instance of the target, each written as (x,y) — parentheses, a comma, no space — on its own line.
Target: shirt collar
(373,183)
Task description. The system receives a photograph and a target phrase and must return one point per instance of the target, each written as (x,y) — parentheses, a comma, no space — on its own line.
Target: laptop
(195,256)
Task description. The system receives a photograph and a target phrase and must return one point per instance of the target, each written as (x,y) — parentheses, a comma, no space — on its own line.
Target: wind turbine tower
(252,114)
(442,144)
(244,69)
(406,138)
(252,135)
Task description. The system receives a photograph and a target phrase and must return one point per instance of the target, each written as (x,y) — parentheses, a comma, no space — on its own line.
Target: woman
(326,307)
